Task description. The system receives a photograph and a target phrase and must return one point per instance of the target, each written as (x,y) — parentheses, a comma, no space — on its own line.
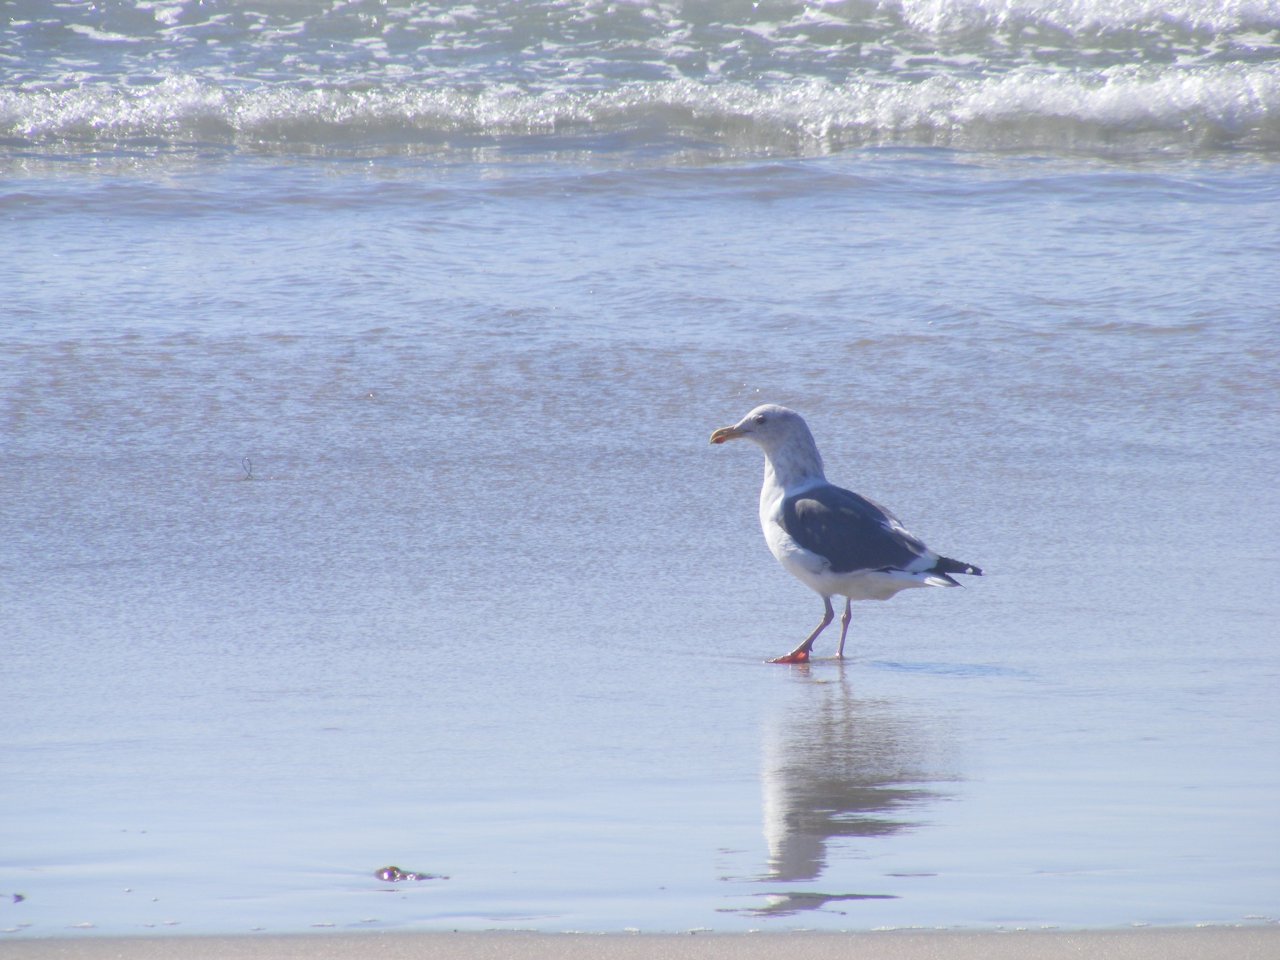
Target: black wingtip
(947,565)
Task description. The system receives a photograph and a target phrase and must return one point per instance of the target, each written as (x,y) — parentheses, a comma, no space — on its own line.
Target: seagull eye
(760,419)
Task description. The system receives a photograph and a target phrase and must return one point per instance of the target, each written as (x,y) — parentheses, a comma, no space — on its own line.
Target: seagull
(832,540)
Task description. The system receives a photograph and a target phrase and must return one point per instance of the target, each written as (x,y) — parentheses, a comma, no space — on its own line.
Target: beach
(1257,943)
(357,370)
(294,600)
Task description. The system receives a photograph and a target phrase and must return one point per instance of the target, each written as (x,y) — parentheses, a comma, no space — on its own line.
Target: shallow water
(359,511)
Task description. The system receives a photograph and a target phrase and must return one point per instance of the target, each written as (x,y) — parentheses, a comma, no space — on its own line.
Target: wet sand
(1215,943)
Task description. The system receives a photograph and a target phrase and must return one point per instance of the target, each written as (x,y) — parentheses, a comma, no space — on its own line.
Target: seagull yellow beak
(726,433)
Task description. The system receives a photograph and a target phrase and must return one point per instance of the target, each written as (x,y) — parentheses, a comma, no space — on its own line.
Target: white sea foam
(1077,16)
(775,76)
(1233,105)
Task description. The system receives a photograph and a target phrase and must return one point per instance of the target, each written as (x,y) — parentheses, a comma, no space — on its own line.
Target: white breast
(805,565)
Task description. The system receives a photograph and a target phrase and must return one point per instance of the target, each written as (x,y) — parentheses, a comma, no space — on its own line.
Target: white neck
(786,471)
(794,465)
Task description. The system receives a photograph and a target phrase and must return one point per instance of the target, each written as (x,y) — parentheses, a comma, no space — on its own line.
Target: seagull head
(770,425)
(791,456)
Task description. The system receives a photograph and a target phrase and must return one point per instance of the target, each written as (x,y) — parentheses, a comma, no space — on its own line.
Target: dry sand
(1215,943)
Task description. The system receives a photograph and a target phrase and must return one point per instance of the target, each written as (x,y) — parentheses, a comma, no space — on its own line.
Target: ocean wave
(726,76)
(1076,17)
(555,43)
(1232,106)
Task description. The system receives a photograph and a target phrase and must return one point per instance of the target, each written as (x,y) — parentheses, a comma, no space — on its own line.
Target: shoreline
(1261,942)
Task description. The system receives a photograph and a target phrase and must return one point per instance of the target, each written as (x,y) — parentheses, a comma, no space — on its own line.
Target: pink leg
(801,653)
(844,626)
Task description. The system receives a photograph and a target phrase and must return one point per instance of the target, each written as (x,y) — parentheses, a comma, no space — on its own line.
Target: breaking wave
(732,77)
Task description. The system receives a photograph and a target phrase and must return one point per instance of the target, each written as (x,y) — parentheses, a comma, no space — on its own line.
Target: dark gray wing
(852,532)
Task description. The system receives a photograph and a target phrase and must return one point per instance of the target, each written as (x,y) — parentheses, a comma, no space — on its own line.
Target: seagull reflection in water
(845,769)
